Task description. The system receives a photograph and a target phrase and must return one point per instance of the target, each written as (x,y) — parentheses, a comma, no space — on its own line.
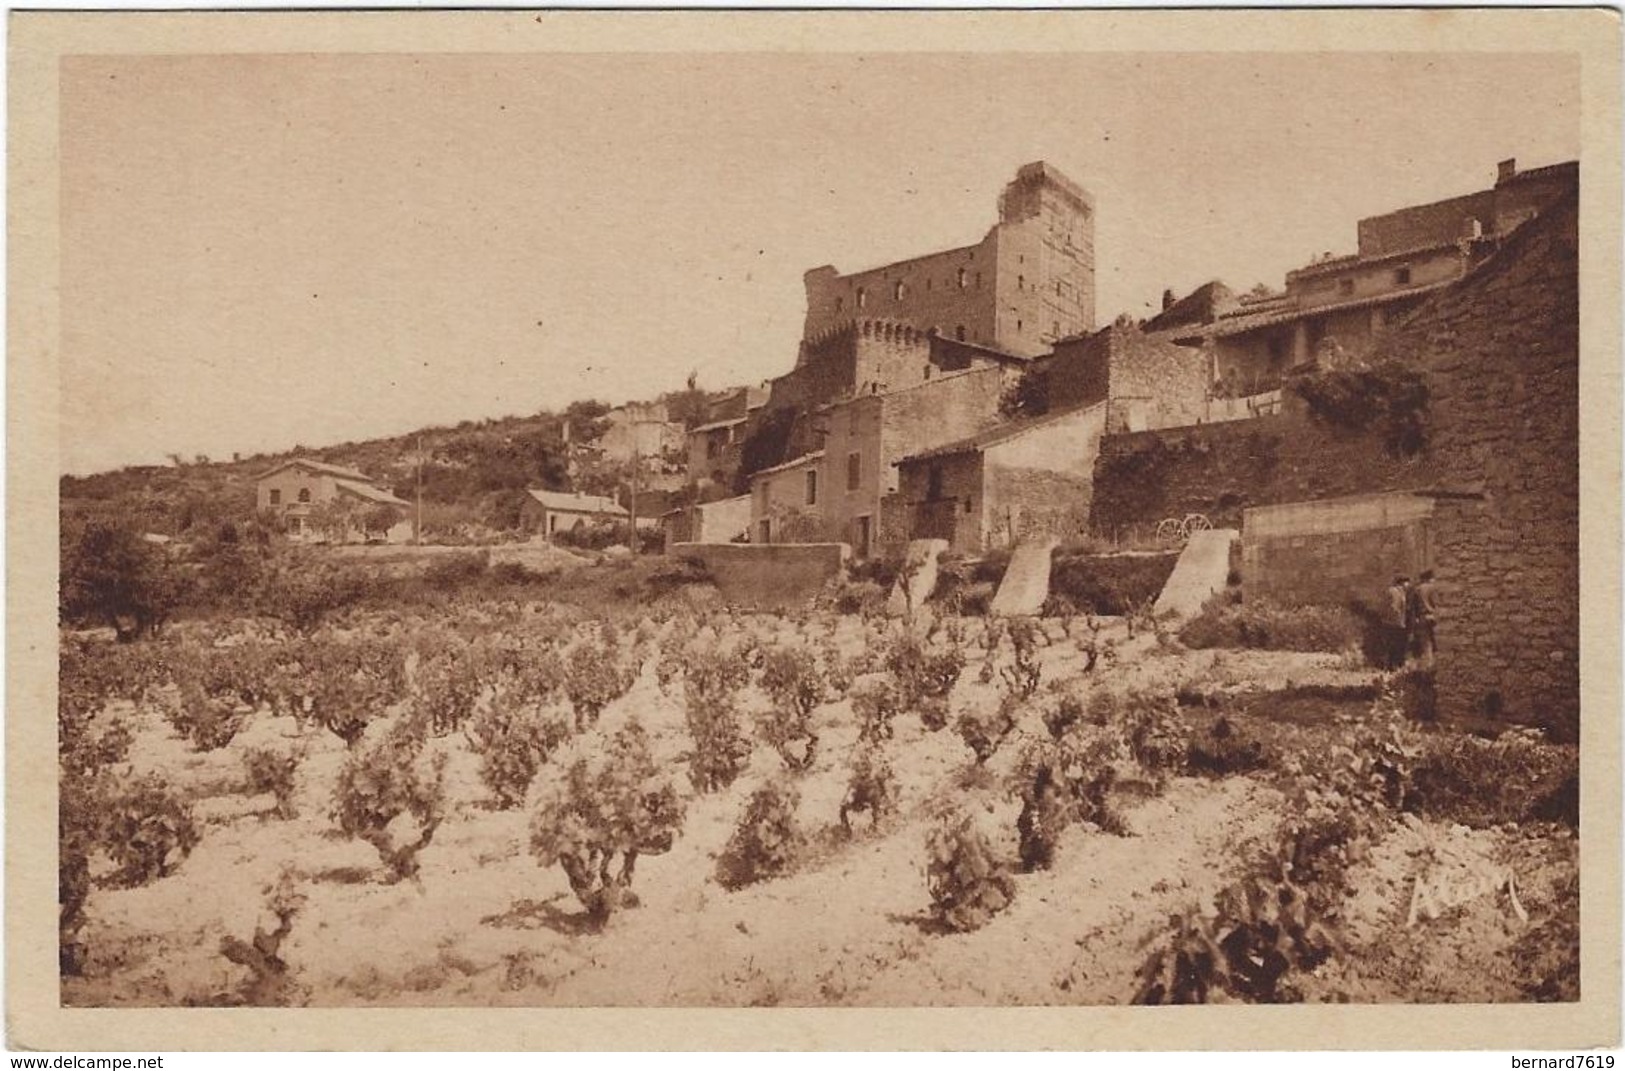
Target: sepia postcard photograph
(857,529)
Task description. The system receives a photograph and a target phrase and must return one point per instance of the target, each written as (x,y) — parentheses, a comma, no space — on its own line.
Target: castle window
(1056,330)
(962,277)
(304,494)
(959,332)
(1402,276)
(898,290)
(1021,282)
(927,284)
(1057,288)
(863,298)
(812,487)
(276,496)
(1018,327)
(840,303)
(854,470)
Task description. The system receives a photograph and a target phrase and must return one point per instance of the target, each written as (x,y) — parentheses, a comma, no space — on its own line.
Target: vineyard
(505,802)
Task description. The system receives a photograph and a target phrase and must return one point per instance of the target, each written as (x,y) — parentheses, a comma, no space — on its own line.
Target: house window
(1055,329)
(933,484)
(962,278)
(766,529)
(812,487)
(928,285)
(898,290)
(276,496)
(1021,282)
(863,298)
(840,303)
(1345,286)
(928,370)
(967,505)
(1018,327)
(1402,276)
(854,470)
(1057,288)
(978,280)
(959,332)
(304,494)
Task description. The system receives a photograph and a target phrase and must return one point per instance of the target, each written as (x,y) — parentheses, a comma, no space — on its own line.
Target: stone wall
(1158,383)
(1502,351)
(767,577)
(1335,551)
(1219,470)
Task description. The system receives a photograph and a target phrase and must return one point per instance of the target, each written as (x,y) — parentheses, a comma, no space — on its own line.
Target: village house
(331,503)
(1017,480)
(549,513)
(1334,309)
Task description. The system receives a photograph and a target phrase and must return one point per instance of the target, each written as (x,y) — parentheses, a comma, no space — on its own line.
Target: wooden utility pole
(637,463)
(417,524)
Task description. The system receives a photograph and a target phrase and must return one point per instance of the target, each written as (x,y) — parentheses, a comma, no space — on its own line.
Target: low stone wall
(1219,470)
(1335,551)
(768,575)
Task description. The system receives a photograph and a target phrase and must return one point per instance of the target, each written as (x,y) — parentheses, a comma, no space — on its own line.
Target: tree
(1028,396)
(111,575)
(688,406)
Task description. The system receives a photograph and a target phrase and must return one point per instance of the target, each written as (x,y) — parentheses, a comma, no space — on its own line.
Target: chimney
(1167,300)
(1505,170)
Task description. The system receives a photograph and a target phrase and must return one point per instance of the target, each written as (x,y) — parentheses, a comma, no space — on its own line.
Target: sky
(264,251)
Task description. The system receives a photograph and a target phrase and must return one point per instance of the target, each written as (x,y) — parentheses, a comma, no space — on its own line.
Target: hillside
(474,474)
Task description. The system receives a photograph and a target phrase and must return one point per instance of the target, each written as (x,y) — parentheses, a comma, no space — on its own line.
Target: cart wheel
(1194,523)
(1170,531)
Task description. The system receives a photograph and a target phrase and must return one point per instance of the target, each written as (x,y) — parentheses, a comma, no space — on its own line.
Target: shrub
(721,751)
(268,984)
(147,830)
(611,806)
(1113,585)
(1262,929)
(1021,677)
(967,884)
(593,680)
(1224,750)
(1064,780)
(872,789)
(924,680)
(110,575)
(207,722)
(1267,626)
(273,773)
(875,704)
(1480,783)
(301,592)
(513,740)
(346,685)
(378,784)
(795,683)
(445,686)
(765,843)
(1156,736)
(983,730)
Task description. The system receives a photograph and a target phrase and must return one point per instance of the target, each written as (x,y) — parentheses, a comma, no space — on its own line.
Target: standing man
(1397,622)
(1423,617)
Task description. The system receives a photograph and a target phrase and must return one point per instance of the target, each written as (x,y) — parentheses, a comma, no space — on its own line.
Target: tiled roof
(362,489)
(1240,325)
(995,435)
(717,425)
(794,462)
(318,466)
(576,502)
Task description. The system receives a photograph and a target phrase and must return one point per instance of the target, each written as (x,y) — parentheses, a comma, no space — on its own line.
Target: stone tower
(1027,283)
